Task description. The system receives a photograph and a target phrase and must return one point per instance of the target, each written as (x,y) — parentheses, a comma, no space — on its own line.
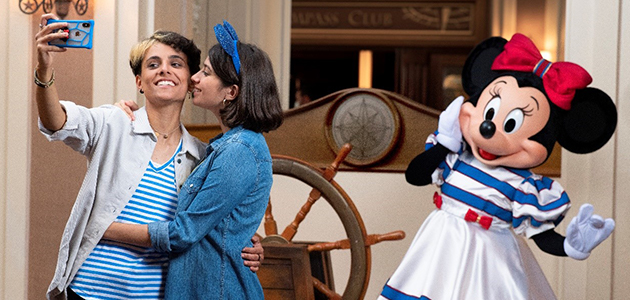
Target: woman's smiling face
(498,129)
(208,89)
(165,74)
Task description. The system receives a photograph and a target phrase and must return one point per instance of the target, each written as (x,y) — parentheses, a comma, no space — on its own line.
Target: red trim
(471,215)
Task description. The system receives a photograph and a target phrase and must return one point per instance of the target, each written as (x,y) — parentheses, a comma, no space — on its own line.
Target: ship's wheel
(358,241)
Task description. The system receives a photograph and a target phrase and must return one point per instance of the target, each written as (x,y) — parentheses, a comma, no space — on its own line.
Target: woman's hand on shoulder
(128,106)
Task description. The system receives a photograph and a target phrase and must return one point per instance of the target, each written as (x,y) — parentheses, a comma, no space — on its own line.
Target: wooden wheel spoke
(390,236)
(327,246)
(270,223)
(345,244)
(320,286)
(329,173)
(291,229)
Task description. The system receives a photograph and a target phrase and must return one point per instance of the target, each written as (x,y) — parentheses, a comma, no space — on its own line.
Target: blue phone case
(80,34)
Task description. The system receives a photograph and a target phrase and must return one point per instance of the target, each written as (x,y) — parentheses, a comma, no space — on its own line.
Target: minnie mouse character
(520,104)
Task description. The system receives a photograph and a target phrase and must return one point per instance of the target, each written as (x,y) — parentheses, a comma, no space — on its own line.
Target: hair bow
(560,79)
(226,35)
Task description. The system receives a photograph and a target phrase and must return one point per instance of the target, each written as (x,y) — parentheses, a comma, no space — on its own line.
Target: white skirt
(451,258)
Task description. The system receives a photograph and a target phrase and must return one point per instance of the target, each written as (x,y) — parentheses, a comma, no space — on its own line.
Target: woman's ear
(138,82)
(590,122)
(232,92)
(477,72)
(191,86)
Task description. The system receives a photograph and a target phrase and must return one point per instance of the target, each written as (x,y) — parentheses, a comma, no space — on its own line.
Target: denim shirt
(220,208)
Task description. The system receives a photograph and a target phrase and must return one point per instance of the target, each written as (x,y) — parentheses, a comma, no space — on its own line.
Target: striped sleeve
(539,204)
(444,167)
(431,141)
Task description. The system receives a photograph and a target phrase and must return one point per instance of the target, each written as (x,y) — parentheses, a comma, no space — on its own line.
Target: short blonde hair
(171,39)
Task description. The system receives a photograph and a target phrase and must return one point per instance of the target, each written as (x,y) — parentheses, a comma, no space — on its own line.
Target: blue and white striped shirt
(120,271)
(528,202)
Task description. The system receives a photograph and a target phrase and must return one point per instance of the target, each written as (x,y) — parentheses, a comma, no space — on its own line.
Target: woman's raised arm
(51,113)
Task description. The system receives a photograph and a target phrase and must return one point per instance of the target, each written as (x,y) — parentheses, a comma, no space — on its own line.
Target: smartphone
(80,34)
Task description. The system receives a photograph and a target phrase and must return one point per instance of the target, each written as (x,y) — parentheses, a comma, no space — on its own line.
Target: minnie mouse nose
(487,129)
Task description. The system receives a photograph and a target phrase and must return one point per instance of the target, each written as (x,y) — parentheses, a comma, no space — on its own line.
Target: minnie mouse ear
(590,122)
(477,72)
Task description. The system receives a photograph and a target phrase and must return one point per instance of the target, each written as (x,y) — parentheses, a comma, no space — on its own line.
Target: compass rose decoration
(368,121)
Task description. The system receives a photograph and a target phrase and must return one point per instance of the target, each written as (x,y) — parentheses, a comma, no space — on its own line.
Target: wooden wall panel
(303,134)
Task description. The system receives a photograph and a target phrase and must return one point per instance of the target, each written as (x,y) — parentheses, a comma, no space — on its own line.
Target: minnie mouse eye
(513,121)
(492,108)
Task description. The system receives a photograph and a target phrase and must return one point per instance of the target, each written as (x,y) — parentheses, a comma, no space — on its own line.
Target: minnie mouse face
(498,129)
(516,125)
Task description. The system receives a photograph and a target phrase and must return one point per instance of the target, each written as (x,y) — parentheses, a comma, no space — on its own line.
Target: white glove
(585,232)
(449,132)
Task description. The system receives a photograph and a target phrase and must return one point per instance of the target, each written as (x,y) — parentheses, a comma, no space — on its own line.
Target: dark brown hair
(257,105)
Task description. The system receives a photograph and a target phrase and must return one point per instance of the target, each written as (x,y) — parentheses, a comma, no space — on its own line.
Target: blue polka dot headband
(226,35)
